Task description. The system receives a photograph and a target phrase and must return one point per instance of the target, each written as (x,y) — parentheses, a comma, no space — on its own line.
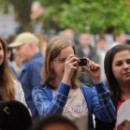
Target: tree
(22,9)
(98,16)
(94,16)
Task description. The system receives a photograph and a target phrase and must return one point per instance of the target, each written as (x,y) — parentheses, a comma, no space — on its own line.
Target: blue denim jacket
(97,99)
(29,78)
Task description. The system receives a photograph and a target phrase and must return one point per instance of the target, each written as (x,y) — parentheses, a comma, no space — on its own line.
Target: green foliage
(22,10)
(94,16)
(88,15)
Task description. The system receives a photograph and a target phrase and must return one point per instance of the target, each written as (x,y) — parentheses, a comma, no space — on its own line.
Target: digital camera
(82,62)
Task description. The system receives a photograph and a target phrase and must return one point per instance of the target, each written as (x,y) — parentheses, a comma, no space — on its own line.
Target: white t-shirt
(19,94)
(76,109)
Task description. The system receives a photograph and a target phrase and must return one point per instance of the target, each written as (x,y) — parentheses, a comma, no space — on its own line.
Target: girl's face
(58,63)
(121,66)
(124,127)
(59,127)
(1,54)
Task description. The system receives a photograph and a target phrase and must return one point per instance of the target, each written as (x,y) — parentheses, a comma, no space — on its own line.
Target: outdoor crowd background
(93,26)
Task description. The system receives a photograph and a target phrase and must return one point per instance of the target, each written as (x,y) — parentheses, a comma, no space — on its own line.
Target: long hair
(112,82)
(6,77)
(52,51)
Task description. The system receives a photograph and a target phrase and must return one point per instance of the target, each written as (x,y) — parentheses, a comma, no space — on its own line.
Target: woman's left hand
(94,71)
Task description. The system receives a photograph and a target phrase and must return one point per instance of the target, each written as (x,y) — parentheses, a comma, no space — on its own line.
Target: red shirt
(119,103)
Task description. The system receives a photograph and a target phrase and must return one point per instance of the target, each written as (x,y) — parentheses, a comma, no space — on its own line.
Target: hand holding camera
(92,68)
(82,62)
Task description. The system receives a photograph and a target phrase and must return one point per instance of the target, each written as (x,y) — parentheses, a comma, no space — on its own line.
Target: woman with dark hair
(62,93)
(117,69)
(10,88)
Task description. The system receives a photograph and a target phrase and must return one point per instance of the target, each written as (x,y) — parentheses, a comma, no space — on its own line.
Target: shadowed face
(126,126)
(23,52)
(59,127)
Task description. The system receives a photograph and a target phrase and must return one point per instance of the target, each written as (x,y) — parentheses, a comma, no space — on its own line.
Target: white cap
(24,38)
(123,112)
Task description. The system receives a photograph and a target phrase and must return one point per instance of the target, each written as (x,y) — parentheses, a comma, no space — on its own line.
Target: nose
(125,65)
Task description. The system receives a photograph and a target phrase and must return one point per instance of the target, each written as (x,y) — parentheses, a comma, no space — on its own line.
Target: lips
(127,74)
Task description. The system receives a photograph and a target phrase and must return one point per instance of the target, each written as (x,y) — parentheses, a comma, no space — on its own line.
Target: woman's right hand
(71,65)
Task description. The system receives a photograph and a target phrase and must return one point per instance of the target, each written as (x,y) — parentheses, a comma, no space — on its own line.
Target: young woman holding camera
(62,93)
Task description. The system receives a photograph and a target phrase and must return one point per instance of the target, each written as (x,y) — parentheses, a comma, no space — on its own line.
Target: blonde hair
(52,51)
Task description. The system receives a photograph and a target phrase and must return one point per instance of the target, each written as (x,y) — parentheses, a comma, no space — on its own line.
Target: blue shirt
(12,69)
(97,98)
(31,77)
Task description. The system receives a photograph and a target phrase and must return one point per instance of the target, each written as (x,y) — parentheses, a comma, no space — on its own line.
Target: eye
(118,63)
(128,61)
(62,60)
(1,48)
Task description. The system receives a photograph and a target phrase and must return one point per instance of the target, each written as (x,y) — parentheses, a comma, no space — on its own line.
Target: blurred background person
(42,43)
(119,39)
(17,64)
(101,46)
(26,45)
(84,48)
(68,33)
(37,12)
(11,57)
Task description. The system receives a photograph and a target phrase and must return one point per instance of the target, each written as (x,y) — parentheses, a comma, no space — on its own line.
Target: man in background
(26,45)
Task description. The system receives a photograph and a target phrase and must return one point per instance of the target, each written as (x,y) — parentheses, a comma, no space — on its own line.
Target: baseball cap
(123,112)
(24,38)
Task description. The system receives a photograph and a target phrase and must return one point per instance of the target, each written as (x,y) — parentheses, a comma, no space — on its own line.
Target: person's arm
(45,105)
(102,105)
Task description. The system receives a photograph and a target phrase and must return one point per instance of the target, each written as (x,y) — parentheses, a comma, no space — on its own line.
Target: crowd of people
(52,91)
